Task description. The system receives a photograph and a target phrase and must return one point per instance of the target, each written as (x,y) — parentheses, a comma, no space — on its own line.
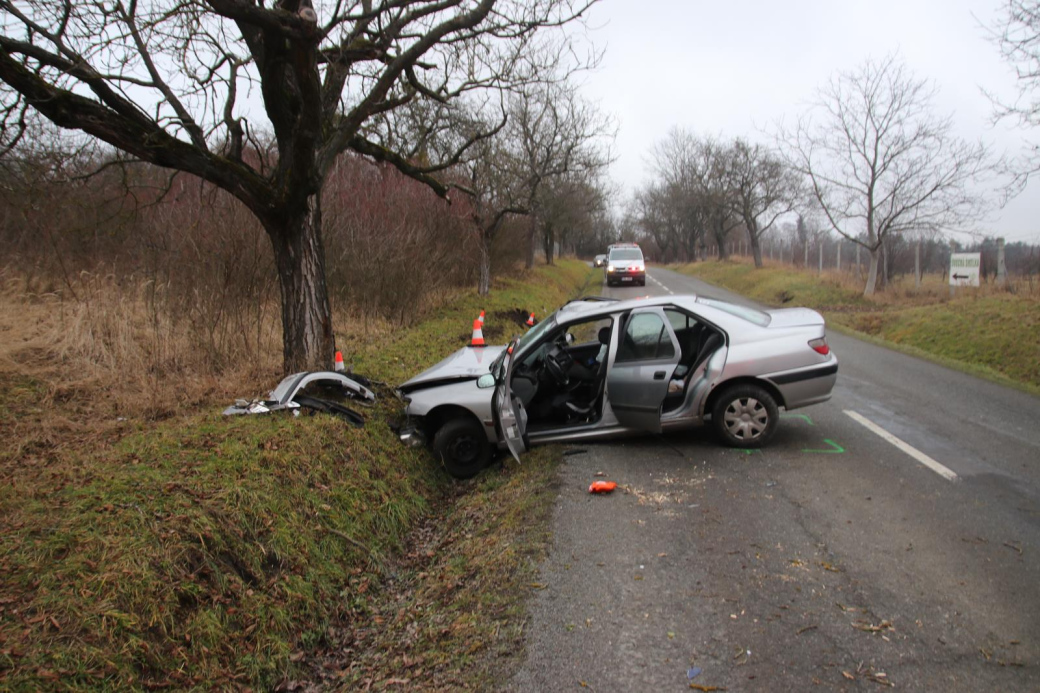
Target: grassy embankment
(188,550)
(989,332)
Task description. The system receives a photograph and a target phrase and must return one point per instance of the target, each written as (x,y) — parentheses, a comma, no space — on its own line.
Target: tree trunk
(532,233)
(548,243)
(756,250)
(308,343)
(484,279)
(721,241)
(872,273)
(884,265)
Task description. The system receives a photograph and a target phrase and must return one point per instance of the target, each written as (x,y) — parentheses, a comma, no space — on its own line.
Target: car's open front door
(509,410)
(637,382)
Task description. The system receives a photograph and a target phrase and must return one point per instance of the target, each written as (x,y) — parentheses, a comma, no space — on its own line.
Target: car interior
(562,381)
(697,342)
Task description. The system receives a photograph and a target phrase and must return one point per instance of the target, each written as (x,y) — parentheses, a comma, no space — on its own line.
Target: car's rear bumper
(804,386)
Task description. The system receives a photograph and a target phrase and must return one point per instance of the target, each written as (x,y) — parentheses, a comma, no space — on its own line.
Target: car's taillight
(820,346)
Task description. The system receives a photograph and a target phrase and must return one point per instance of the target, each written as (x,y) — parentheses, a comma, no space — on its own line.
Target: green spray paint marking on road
(836,451)
(798,416)
(747,451)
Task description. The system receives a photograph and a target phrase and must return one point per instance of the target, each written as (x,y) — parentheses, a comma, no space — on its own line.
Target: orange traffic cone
(530,320)
(481,318)
(478,334)
(339,362)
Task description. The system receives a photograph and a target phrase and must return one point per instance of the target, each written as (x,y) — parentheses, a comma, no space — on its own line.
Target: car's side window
(646,338)
(685,328)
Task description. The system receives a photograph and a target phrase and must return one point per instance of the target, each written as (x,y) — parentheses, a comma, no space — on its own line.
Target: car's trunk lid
(794,317)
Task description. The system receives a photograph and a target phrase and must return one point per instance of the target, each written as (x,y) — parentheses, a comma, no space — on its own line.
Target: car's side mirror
(485,381)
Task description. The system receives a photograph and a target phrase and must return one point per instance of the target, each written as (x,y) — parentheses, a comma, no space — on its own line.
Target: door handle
(659,375)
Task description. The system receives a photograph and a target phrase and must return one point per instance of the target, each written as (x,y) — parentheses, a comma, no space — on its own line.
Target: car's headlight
(610,268)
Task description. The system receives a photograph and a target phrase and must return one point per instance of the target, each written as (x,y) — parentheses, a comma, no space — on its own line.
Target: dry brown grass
(83,366)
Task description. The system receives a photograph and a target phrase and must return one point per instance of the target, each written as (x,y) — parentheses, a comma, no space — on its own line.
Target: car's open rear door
(509,410)
(637,382)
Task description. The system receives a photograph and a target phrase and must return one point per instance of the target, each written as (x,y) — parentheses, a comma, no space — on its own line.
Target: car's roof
(592,307)
(585,308)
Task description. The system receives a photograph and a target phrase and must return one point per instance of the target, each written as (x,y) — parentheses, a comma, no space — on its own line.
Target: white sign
(964,269)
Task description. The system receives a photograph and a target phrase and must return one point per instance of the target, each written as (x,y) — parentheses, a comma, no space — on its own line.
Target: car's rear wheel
(745,416)
(463,447)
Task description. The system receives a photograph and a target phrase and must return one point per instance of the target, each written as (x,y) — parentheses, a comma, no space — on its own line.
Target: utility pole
(821,257)
(1001,264)
(917,264)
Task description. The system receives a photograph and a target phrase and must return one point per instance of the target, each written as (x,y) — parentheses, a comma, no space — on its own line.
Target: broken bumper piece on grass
(288,395)
(411,436)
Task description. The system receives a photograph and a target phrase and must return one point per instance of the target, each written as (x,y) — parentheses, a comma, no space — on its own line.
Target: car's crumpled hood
(468,363)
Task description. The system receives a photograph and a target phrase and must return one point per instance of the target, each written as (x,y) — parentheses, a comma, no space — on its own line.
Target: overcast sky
(731,68)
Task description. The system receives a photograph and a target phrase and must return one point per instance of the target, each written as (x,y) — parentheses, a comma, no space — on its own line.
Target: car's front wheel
(463,447)
(745,416)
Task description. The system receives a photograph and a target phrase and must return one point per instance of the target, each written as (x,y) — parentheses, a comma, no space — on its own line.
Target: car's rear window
(750,314)
(626,254)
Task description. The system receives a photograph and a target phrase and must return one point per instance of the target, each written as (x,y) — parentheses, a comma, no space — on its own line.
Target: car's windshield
(626,254)
(530,337)
(535,333)
(750,314)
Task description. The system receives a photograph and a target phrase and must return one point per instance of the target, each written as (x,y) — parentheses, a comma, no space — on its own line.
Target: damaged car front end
(457,390)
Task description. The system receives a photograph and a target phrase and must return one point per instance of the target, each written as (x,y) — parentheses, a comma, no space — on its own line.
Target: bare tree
(762,189)
(169,83)
(569,207)
(494,188)
(557,134)
(879,161)
(1017,36)
(691,179)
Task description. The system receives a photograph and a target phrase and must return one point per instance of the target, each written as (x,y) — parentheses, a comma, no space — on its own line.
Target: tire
(463,447)
(745,416)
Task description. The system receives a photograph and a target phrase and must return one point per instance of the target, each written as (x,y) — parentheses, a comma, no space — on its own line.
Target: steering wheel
(558,362)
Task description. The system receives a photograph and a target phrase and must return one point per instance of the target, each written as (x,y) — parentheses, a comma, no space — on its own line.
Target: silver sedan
(600,368)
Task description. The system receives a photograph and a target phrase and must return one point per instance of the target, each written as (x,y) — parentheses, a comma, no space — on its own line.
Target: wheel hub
(746,418)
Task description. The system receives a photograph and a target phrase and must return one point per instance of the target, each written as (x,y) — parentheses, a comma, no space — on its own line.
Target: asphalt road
(833,559)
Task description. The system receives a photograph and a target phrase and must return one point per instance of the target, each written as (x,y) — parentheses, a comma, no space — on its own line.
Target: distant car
(599,368)
(625,265)
(599,261)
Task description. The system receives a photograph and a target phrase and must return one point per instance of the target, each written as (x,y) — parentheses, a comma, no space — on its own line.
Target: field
(987,331)
(150,543)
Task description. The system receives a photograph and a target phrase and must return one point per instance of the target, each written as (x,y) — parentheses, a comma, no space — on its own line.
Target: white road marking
(661,285)
(943,471)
